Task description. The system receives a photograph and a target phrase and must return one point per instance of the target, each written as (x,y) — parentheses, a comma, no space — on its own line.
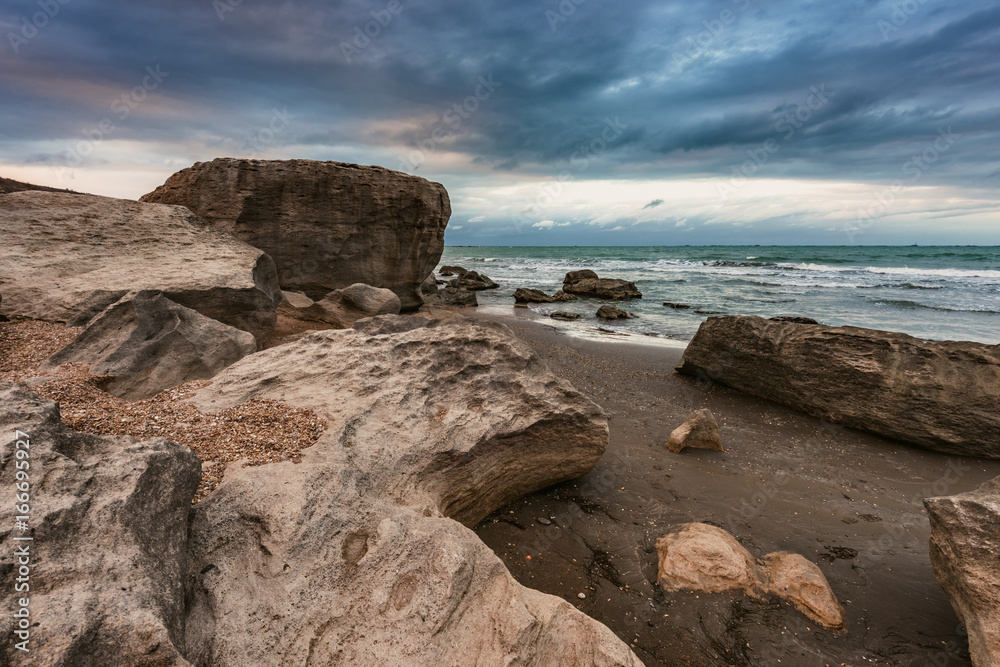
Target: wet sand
(846,500)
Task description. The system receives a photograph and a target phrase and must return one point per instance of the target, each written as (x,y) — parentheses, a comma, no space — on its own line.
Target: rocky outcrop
(700,557)
(964,543)
(587,283)
(149,343)
(358,555)
(526,295)
(429,286)
(71,256)
(471,280)
(939,395)
(342,308)
(613,313)
(699,430)
(452,297)
(8,185)
(327,225)
(107,563)
(452,270)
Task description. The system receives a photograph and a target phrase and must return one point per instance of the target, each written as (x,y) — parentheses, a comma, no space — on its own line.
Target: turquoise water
(936,292)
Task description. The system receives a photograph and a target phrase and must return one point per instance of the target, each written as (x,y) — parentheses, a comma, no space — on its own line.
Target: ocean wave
(914,305)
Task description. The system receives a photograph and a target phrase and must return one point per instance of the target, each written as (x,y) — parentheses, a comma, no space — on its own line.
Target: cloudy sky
(550,122)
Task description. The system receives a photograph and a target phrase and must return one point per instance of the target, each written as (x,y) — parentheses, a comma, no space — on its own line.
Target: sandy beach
(847,500)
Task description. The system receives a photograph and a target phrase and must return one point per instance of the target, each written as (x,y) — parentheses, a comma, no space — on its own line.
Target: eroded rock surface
(474,281)
(67,257)
(358,555)
(452,297)
(964,546)
(607,312)
(327,225)
(699,430)
(149,343)
(587,283)
(940,395)
(108,561)
(342,308)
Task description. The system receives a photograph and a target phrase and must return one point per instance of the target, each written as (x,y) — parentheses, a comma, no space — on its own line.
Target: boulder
(586,283)
(359,555)
(452,271)
(452,297)
(341,308)
(699,430)
(564,315)
(525,295)
(294,300)
(471,280)
(964,543)
(940,395)
(71,256)
(700,557)
(676,306)
(327,225)
(109,522)
(149,343)
(796,319)
(613,313)
(429,286)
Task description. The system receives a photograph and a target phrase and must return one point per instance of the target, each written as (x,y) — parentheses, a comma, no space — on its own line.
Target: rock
(342,308)
(563,296)
(586,283)
(939,395)
(582,596)
(327,225)
(679,306)
(149,343)
(964,543)
(452,297)
(797,320)
(545,522)
(109,518)
(296,300)
(452,271)
(76,255)
(471,280)
(700,557)
(565,315)
(8,185)
(526,295)
(356,555)
(613,313)
(699,430)
(392,324)
(429,286)
(3,318)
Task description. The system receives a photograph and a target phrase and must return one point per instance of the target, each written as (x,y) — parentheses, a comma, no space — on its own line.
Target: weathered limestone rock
(613,313)
(471,280)
(587,283)
(150,343)
(67,257)
(700,557)
(429,286)
(327,225)
(699,430)
(341,308)
(452,270)
(964,543)
(526,295)
(452,297)
(350,557)
(108,561)
(940,395)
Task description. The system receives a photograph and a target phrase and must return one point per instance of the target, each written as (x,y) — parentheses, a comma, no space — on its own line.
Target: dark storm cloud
(696,85)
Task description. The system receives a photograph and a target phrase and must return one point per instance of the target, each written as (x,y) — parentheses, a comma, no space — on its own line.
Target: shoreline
(847,500)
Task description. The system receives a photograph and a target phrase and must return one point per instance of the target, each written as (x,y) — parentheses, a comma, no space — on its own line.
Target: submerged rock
(586,283)
(327,225)
(109,518)
(149,343)
(565,315)
(940,395)
(75,255)
(358,555)
(699,430)
(613,313)
(964,543)
(700,557)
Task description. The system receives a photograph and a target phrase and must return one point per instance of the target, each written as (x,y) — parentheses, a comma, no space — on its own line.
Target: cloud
(478,218)
(652,204)
(549,224)
(455,227)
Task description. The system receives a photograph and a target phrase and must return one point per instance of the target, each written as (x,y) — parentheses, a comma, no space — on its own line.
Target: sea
(931,292)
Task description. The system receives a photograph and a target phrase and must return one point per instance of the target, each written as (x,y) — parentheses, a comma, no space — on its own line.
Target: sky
(550,122)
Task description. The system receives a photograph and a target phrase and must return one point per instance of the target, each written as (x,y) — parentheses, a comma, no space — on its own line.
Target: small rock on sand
(700,431)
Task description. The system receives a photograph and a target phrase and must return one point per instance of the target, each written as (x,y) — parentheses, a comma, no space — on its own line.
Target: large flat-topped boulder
(327,225)
(67,257)
(940,395)
(358,554)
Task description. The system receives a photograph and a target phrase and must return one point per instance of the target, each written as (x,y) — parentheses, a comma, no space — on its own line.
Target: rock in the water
(699,430)
(526,295)
(939,395)
(327,225)
(565,315)
(795,319)
(109,518)
(149,343)
(613,313)
(700,557)
(563,296)
(452,297)
(342,308)
(471,280)
(75,255)
(964,543)
(350,557)
(452,271)
(678,306)
(586,283)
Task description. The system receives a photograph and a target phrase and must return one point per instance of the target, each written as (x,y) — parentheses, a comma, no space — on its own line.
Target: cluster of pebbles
(257,431)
